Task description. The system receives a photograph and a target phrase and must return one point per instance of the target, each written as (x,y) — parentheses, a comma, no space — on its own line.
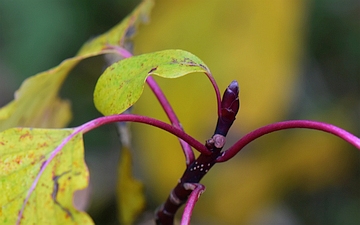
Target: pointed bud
(230,105)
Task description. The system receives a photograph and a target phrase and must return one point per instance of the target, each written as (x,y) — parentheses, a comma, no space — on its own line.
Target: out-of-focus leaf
(22,154)
(122,83)
(258,43)
(121,33)
(130,192)
(37,104)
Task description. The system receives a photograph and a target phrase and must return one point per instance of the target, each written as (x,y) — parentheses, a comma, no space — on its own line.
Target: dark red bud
(230,102)
(230,105)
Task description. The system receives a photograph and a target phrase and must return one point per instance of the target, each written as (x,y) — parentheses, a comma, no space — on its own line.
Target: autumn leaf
(260,45)
(120,34)
(36,183)
(122,83)
(23,152)
(130,192)
(37,104)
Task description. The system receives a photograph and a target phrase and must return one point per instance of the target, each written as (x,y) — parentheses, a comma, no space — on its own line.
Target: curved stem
(105,120)
(189,154)
(126,54)
(217,91)
(197,190)
(147,120)
(328,128)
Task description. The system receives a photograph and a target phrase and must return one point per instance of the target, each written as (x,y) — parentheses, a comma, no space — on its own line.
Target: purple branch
(328,128)
(105,120)
(197,190)
(201,166)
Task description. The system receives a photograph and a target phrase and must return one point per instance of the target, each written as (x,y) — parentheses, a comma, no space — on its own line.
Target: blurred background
(293,60)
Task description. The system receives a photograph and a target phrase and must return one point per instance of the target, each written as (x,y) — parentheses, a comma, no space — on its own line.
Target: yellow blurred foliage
(258,43)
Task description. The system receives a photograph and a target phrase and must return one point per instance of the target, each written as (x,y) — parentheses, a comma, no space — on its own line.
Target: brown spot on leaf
(152,70)
(18,160)
(41,145)
(26,135)
(173,60)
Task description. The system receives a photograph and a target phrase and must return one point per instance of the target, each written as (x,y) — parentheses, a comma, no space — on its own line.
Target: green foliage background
(299,176)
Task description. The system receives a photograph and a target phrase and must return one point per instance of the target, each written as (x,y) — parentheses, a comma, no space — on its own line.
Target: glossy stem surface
(197,190)
(307,124)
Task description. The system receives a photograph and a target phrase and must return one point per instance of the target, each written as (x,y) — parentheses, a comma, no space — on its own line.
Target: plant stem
(197,190)
(146,120)
(165,214)
(188,152)
(307,124)
(106,120)
(201,166)
(217,91)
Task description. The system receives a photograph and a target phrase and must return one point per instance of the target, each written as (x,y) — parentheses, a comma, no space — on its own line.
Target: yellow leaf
(23,151)
(37,104)
(131,200)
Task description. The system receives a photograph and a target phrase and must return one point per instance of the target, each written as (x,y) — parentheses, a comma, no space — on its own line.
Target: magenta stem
(193,198)
(106,120)
(146,120)
(217,91)
(188,152)
(307,124)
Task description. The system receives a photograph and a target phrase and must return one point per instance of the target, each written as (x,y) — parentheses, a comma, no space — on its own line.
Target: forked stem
(188,187)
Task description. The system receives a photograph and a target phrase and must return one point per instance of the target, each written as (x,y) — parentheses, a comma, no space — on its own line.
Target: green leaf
(23,151)
(121,84)
(37,104)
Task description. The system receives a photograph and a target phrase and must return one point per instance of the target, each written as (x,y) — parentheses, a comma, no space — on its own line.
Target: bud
(229,108)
